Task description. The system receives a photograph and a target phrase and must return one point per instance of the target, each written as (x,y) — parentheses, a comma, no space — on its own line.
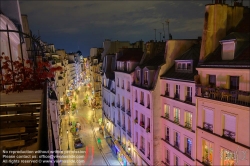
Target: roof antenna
(155,34)
(167,21)
(160,35)
(163,31)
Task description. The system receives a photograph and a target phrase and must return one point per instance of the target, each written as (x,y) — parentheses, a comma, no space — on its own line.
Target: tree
(17,76)
(73,106)
(67,100)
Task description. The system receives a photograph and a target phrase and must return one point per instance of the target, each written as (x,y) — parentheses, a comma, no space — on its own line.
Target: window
(188,120)
(177,140)
(146,78)
(209,118)
(167,89)
(167,134)
(179,66)
(148,125)
(212,80)
(229,126)
(148,151)
(128,104)
(228,50)
(148,100)
(117,82)
(166,111)
(142,98)
(135,95)
(142,145)
(123,102)
(138,75)
(227,157)
(207,152)
(189,66)
(128,66)
(122,84)
(136,139)
(176,115)
(167,156)
(183,66)
(189,94)
(129,125)
(176,161)
(177,92)
(142,120)
(234,82)
(122,66)
(188,146)
(128,86)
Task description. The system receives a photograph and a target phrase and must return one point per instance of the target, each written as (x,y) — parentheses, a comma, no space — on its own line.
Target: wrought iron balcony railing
(128,112)
(176,96)
(167,138)
(166,93)
(208,127)
(123,108)
(142,150)
(188,99)
(119,123)
(176,120)
(123,128)
(142,103)
(129,132)
(118,105)
(167,160)
(166,115)
(188,125)
(229,134)
(188,151)
(206,161)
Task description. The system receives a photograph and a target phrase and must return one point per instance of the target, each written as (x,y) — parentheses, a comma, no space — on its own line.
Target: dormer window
(146,78)
(183,66)
(228,49)
(128,66)
(122,66)
(138,75)
(118,65)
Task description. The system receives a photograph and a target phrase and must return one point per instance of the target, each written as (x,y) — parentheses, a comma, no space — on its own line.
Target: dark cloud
(69,24)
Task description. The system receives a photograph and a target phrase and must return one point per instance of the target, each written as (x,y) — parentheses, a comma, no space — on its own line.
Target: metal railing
(176,120)
(188,99)
(176,144)
(188,125)
(142,150)
(229,134)
(166,93)
(176,96)
(188,151)
(208,127)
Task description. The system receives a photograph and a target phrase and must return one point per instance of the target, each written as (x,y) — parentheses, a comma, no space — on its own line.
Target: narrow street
(89,133)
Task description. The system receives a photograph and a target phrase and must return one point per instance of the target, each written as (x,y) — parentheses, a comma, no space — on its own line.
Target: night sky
(80,25)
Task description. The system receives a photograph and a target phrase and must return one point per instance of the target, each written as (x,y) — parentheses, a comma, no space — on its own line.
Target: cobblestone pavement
(91,153)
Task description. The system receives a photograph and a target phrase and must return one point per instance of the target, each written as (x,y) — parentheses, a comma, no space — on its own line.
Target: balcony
(166,93)
(167,138)
(118,105)
(123,108)
(177,96)
(228,134)
(238,97)
(123,128)
(206,161)
(129,132)
(176,144)
(208,127)
(188,152)
(148,156)
(142,150)
(142,124)
(188,99)
(188,125)
(119,123)
(128,112)
(176,120)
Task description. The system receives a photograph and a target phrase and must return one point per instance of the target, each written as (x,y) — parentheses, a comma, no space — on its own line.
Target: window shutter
(209,116)
(230,123)
(227,82)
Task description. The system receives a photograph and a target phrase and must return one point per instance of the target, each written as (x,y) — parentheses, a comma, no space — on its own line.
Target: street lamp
(68,139)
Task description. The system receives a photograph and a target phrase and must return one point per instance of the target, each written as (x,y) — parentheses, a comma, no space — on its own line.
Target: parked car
(78,143)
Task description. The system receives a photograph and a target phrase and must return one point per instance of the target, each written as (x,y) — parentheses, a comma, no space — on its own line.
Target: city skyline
(83,24)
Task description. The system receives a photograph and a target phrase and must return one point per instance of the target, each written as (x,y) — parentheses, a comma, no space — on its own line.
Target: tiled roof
(131,54)
(192,54)
(242,56)
(156,60)
(244,25)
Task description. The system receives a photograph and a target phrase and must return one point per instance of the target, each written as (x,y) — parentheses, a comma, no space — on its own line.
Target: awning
(123,152)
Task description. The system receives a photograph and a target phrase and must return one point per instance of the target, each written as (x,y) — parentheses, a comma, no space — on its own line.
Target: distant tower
(167,21)
(163,31)
(160,35)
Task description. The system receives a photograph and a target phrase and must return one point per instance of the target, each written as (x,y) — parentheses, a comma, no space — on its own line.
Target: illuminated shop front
(122,157)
